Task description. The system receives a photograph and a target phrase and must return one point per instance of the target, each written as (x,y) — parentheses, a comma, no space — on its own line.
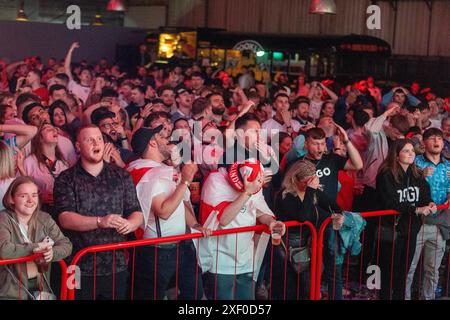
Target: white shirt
(157,181)
(314,109)
(80,91)
(229,260)
(42,176)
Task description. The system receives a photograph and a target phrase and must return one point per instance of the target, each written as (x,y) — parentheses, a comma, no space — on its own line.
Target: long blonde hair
(297,172)
(7,162)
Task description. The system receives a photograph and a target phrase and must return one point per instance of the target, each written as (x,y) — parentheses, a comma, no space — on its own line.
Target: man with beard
(435,229)
(301,105)
(114,134)
(184,101)
(167,95)
(167,211)
(218,107)
(96,204)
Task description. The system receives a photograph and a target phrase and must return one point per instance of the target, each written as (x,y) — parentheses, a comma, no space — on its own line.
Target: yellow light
(164,48)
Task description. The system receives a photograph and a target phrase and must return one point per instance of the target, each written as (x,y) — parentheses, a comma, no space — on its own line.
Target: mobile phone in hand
(49,241)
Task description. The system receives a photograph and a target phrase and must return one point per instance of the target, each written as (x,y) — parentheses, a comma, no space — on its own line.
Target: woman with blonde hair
(7,172)
(26,230)
(301,199)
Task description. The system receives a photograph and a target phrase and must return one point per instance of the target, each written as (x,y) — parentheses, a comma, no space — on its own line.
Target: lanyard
(23,231)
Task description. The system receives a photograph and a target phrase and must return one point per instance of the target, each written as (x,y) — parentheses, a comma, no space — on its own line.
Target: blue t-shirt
(440,180)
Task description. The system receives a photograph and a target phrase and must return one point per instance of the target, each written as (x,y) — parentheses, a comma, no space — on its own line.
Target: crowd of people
(92,155)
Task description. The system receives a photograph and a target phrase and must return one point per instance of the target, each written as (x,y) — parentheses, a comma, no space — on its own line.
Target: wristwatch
(123,138)
(346,142)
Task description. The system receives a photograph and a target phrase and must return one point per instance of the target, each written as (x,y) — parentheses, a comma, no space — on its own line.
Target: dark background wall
(53,40)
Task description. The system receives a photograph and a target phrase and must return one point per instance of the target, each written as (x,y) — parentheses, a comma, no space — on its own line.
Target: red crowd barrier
(316,263)
(164,240)
(62,264)
(320,250)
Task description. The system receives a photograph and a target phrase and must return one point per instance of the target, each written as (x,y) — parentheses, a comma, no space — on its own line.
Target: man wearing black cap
(184,101)
(167,210)
(114,133)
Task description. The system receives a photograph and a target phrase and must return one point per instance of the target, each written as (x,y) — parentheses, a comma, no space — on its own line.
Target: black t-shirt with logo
(327,170)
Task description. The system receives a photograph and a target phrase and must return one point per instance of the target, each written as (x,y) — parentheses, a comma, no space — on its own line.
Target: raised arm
(356,162)
(68,60)
(24,133)
(233,209)
(11,67)
(332,95)
(164,206)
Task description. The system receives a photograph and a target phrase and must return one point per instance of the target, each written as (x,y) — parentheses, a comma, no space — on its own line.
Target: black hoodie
(404,197)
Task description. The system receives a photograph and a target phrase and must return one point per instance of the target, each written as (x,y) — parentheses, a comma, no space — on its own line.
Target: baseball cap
(141,138)
(179,91)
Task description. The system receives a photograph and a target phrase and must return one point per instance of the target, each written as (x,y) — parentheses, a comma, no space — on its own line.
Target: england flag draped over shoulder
(222,254)
(145,174)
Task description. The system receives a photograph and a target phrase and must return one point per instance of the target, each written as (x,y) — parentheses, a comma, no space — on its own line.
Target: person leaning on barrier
(436,228)
(401,187)
(167,212)
(233,199)
(26,230)
(96,203)
(301,199)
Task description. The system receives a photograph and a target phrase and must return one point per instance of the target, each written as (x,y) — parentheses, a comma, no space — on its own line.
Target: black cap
(141,138)
(182,89)
(101,114)
(27,110)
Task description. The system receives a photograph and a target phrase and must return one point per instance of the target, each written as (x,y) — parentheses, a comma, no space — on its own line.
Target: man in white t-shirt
(282,120)
(234,199)
(83,89)
(167,211)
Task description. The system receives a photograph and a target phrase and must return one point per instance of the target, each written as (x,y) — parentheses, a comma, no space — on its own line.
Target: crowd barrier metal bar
(62,264)
(155,241)
(321,237)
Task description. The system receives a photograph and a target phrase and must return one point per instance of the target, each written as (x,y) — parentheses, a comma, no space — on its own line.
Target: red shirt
(42,93)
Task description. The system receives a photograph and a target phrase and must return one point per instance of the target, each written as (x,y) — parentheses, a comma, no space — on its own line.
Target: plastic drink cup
(276,239)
